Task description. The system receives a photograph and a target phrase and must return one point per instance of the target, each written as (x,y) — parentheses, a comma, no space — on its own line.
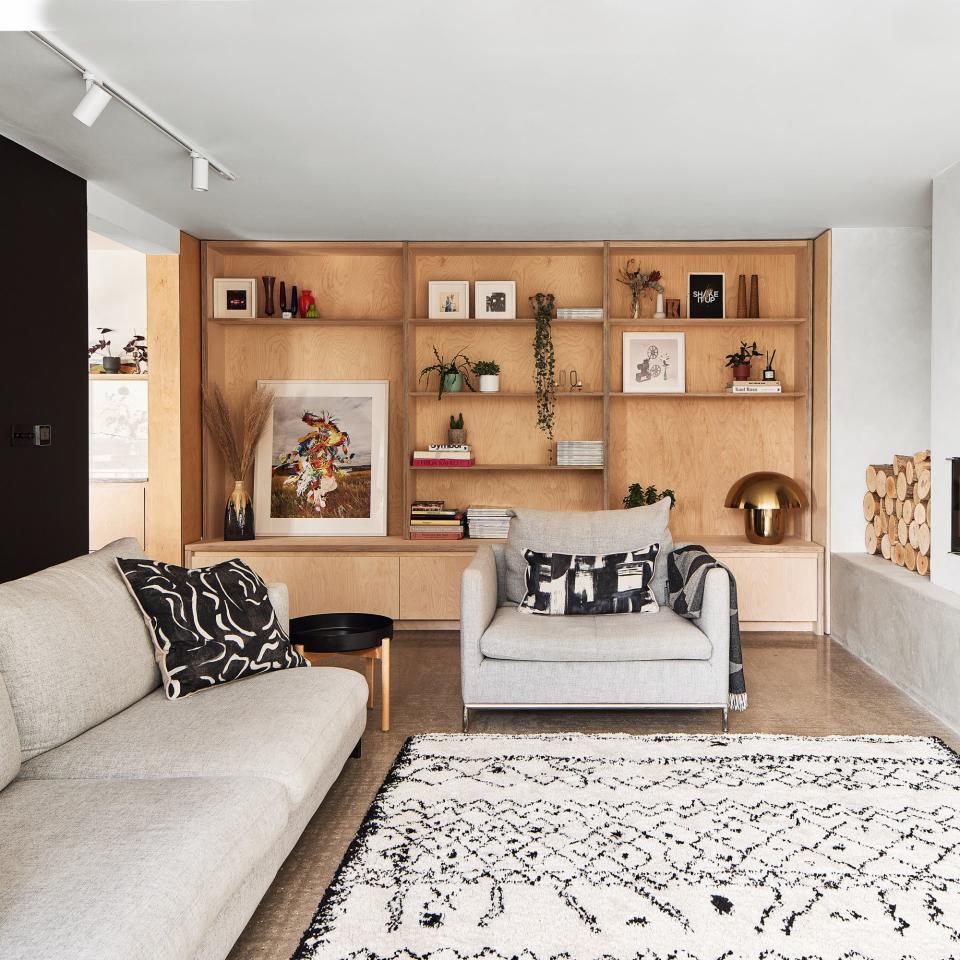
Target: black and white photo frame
(495,299)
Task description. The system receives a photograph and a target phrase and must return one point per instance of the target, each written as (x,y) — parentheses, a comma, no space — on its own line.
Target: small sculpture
(673,308)
(741,297)
(268,308)
(754,308)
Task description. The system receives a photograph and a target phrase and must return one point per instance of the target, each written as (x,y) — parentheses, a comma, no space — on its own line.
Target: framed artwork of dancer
(321,464)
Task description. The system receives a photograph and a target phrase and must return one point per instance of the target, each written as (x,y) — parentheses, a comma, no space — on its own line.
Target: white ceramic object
(659,315)
(490,383)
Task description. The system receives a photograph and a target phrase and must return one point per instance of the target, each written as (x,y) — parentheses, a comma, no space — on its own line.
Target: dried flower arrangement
(237,442)
(638,281)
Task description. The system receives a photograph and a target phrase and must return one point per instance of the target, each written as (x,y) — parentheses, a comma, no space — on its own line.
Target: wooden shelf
(118,376)
(485,321)
(526,467)
(719,395)
(695,322)
(504,394)
(309,322)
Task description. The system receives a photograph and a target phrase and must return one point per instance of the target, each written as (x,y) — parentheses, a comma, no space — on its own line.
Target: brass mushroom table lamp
(764,497)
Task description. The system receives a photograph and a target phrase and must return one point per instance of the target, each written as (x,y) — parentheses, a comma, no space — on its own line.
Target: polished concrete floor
(797,684)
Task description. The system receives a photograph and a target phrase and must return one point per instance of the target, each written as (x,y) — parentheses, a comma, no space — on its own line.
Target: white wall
(880,361)
(945,371)
(117,290)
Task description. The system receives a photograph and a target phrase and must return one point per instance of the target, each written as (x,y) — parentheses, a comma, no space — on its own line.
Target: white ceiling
(498,119)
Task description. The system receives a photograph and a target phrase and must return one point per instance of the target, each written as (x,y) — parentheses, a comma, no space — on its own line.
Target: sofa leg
(466,719)
(355,755)
(726,720)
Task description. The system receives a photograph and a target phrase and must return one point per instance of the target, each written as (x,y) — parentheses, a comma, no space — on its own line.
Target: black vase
(238,515)
(294,302)
(268,307)
(283,298)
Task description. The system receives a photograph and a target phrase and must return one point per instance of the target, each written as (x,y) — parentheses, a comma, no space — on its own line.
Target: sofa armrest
(280,598)
(714,619)
(478,603)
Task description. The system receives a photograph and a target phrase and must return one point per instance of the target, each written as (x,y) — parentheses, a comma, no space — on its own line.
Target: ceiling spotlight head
(200,176)
(94,102)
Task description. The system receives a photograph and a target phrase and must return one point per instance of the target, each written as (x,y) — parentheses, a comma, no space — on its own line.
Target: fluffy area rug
(653,848)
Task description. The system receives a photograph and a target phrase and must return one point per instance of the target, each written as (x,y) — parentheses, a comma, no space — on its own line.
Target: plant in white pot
(488,373)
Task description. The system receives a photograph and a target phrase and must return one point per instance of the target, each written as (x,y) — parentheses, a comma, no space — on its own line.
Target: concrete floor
(797,684)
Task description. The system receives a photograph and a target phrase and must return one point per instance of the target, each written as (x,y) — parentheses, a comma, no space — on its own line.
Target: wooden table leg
(385,685)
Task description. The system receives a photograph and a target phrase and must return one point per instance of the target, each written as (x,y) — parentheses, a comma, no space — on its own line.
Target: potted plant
(450,372)
(108,361)
(137,350)
(488,372)
(638,281)
(640,496)
(740,361)
(456,434)
(545,361)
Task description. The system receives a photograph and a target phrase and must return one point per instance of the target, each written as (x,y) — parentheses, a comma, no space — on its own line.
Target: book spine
(419,535)
(436,462)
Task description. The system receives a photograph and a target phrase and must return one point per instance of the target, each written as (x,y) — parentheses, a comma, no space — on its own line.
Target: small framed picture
(495,299)
(234,299)
(705,296)
(654,363)
(449,299)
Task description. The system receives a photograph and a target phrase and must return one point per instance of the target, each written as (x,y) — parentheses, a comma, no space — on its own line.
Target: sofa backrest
(589,532)
(74,649)
(9,739)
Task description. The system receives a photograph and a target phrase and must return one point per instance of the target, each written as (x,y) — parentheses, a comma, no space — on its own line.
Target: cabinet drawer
(776,588)
(430,586)
(336,583)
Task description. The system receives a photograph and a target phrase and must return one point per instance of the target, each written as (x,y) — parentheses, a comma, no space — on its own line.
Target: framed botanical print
(495,299)
(321,462)
(448,299)
(654,363)
(705,296)
(234,299)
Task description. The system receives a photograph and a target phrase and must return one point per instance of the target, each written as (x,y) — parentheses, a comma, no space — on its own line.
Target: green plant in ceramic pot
(640,496)
(488,374)
(451,373)
(740,361)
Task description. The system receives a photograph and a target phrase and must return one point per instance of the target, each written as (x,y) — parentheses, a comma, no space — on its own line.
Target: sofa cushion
(287,726)
(210,625)
(514,635)
(561,584)
(74,649)
(127,869)
(599,531)
(9,739)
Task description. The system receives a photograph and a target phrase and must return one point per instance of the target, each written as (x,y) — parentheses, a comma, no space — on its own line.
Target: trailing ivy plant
(545,361)
(640,496)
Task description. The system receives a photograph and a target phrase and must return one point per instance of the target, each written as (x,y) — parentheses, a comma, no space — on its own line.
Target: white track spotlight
(94,102)
(200,177)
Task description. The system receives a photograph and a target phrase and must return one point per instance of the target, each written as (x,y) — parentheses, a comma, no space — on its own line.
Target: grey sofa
(132,827)
(516,660)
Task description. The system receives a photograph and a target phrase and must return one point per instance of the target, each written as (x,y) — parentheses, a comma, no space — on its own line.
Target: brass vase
(238,515)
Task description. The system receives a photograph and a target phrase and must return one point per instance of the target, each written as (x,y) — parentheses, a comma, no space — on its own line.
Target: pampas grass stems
(237,443)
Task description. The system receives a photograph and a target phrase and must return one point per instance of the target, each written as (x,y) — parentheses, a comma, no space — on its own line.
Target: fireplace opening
(955,505)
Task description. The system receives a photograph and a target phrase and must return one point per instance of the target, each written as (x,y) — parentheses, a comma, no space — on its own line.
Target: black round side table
(367,635)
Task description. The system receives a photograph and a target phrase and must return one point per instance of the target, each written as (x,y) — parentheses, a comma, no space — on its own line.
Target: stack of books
(754,386)
(444,455)
(579,453)
(579,313)
(488,523)
(431,520)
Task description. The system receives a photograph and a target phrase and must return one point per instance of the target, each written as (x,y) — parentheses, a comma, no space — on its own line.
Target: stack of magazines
(444,455)
(579,453)
(579,313)
(754,386)
(432,520)
(488,523)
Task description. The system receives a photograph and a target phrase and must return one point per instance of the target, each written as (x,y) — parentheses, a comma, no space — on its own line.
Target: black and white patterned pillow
(561,583)
(210,625)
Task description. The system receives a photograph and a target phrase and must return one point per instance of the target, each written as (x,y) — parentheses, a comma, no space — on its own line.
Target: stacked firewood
(896,507)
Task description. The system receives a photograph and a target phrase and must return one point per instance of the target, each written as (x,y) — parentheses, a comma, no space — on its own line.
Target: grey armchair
(517,660)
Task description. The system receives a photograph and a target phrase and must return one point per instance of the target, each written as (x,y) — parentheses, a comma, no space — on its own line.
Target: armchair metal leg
(466,719)
(355,755)
(726,720)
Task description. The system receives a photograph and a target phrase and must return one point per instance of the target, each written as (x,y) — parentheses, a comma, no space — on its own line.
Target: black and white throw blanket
(687,569)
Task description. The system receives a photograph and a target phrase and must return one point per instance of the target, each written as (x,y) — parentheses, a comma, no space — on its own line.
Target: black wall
(43,378)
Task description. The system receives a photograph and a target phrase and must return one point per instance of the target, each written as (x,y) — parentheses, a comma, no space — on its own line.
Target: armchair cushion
(513,635)
(591,532)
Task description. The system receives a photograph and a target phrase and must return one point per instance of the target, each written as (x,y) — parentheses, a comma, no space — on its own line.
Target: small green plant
(459,363)
(456,422)
(744,355)
(640,496)
(103,344)
(486,368)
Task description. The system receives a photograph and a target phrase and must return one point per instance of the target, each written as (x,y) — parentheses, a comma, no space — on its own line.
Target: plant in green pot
(451,373)
(488,373)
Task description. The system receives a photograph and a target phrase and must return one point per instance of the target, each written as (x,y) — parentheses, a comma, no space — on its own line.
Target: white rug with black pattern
(653,848)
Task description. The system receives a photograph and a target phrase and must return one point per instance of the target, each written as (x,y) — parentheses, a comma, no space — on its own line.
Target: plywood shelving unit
(373,303)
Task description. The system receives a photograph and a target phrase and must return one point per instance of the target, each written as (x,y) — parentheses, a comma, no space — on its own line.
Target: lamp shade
(765,491)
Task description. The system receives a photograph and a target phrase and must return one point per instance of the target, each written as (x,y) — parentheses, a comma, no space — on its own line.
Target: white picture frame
(448,299)
(495,299)
(291,496)
(234,298)
(654,362)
